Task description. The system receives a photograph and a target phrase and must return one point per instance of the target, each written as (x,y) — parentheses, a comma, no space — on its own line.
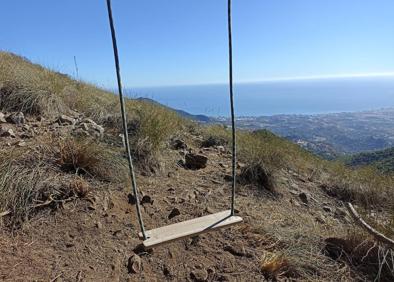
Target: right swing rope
(230,73)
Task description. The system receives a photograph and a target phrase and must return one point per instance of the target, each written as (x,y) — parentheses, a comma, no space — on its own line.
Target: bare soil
(92,239)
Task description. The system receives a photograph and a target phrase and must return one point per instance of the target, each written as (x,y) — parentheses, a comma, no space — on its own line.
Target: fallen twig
(56,277)
(5,213)
(46,203)
(379,236)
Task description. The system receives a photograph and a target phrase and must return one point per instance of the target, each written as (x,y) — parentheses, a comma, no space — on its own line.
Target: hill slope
(66,213)
(199,118)
(383,159)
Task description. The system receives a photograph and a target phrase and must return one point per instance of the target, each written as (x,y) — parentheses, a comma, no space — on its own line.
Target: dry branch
(46,203)
(379,236)
(4,213)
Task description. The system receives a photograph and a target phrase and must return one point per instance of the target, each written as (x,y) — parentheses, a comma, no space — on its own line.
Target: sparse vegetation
(275,265)
(30,177)
(90,158)
(256,174)
(365,186)
(383,160)
(52,170)
(363,255)
(32,89)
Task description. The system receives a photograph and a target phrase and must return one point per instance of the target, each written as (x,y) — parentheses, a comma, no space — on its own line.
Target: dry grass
(363,255)
(29,88)
(34,178)
(90,158)
(33,89)
(365,186)
(274,265)
(80,187)
(25,184)
(264,151)
(292,241)
(150,132)
(256,174)
(62,169)
(263,154)
(264,147)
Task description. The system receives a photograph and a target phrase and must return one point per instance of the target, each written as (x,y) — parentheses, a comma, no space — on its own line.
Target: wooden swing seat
(184,229)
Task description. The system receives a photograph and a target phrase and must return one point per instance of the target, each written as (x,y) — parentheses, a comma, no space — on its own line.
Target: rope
(124,120)
(230,72)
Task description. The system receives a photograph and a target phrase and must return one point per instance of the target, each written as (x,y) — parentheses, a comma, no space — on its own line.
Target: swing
(196,226)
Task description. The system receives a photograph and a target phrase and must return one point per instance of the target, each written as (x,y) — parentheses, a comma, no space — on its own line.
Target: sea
(312,96)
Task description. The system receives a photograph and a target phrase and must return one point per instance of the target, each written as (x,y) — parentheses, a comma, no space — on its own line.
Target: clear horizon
(280,97)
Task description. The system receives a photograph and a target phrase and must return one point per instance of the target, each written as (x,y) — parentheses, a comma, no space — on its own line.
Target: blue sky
(181,42)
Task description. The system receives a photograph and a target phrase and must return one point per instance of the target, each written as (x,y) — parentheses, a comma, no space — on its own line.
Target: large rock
(16,118)
(175,212)
(6,131)
(195,161)
(99,130)
(66,120)
(134,264)
(178,144)
(303,197)
(199,275)
(214,141)
(89,127)
(2,118)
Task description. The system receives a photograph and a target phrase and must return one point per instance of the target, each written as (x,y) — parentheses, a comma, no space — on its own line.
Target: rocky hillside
(66,212)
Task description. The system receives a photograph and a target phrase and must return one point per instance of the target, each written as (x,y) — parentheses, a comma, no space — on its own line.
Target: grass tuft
(258,175)
(274,265)
(34,178)
(90,158)
(363,255)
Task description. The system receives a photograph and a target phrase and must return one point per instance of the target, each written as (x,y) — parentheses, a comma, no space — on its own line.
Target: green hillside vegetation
(383,160)
(59,168)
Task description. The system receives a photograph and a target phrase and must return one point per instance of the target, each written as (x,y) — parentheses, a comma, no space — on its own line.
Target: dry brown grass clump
(25,185)
(149,130)
(90,158)
(263,155)
(51,173)
(275,266)
(363,255)
(290,240)
(256,174)
(80,187)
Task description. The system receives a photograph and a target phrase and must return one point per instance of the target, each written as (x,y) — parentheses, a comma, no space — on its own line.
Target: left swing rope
(124,120)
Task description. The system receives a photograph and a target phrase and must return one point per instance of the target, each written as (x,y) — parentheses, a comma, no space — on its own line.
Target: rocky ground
(95,238)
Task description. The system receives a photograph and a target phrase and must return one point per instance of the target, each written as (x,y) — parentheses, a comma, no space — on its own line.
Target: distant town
(329,135)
